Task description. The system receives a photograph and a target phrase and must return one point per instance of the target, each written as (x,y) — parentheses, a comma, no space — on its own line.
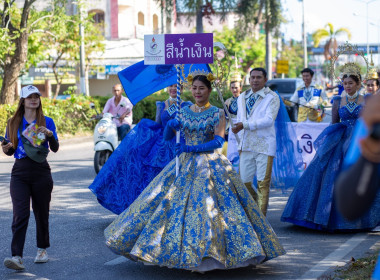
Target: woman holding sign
(311,203)
(30,134)
(141,155)
(204,218)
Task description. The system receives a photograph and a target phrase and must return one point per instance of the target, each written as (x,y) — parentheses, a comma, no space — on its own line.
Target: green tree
(62,43)
(330,35)
(198,8)
(256,13)
(294,54)
(250,51)
(15,28)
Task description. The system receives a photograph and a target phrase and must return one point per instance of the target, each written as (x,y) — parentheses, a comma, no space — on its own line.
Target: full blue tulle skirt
(311,204)
(138,159)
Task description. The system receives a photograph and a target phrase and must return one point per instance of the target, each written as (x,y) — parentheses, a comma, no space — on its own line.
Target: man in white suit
(256,115)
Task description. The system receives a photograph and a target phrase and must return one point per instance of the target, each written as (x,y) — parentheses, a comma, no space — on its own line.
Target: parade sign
(307,133)
(282,66)
(195,48)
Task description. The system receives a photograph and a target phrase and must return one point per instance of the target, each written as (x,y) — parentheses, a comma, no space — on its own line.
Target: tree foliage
(294,54)
(249,51)
(15,29)
(330,35)
(62,42)
(258,12)
(29,36)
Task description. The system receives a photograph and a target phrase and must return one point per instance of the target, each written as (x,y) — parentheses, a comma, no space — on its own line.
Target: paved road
(78,221)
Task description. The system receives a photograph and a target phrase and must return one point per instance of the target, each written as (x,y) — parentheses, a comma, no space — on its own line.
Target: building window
(98,17)
(140,20)
(155,24)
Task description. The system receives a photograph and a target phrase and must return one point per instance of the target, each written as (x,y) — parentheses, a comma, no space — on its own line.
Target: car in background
(286,88)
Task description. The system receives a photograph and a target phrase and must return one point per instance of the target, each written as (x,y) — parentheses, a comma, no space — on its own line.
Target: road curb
(332,272)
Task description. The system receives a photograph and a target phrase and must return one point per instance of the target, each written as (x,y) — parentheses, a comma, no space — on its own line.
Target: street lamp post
(367,3)
(82,80)
(304,35)
(378,40)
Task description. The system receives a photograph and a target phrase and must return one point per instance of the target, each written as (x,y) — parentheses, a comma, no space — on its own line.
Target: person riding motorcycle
(121,108)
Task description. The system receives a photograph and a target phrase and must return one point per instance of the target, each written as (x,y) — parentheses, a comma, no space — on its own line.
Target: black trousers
(30,180)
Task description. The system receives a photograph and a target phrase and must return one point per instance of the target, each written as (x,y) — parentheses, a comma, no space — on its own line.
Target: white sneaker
(14,263)
(42,256)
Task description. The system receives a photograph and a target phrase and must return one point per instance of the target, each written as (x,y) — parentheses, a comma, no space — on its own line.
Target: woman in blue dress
(141,155)
(204,218)
(311,203)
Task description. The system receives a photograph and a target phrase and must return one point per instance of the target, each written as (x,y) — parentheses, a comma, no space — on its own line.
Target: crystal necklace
(352,96)
(200,108)
(172,99)
(351,105)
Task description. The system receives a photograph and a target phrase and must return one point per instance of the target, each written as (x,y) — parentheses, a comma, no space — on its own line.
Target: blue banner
(140,81)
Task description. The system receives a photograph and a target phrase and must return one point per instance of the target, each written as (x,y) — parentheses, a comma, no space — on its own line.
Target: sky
(338,12)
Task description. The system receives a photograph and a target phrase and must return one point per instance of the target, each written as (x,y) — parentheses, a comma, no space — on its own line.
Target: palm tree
(329,34)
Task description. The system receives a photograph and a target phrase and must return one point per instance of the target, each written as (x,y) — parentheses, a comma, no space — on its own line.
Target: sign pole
(178,133)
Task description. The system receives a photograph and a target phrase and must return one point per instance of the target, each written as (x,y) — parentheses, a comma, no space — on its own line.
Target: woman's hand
(45,131)
(181,148)
(6,147)
(174,124)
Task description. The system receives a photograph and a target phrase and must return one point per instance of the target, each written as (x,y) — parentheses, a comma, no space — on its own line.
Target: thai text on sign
(195,48)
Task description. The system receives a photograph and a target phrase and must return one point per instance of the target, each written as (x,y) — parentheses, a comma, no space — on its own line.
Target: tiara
(372,74)
(349,68)
(235,77)
(210,76)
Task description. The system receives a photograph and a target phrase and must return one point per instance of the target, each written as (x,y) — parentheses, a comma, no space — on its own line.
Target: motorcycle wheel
(100,159)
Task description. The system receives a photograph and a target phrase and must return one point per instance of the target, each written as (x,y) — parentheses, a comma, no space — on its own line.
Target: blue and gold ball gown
(141,155)
(204,219)
(311,203)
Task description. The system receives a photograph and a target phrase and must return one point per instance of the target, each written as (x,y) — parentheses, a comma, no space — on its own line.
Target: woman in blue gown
(311,203)
(141,155)
(204,218)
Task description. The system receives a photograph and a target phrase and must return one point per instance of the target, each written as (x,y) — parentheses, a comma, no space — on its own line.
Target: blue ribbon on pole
(140,81)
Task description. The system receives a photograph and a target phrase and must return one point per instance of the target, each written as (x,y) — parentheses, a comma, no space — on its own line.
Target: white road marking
(335,258)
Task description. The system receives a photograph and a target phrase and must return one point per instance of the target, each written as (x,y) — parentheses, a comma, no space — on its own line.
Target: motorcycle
(106,138)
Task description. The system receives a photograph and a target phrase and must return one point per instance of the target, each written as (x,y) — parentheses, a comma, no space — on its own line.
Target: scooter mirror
(92,105)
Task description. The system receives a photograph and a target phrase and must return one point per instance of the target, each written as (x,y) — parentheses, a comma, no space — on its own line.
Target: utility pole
(304,35)
(83,87)
(82,77)
(268,45)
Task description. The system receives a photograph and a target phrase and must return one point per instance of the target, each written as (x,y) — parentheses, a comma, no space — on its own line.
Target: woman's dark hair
(203,79)
(16,119)
(356,78)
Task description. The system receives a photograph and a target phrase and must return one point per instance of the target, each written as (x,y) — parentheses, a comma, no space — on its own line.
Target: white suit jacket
(259,134)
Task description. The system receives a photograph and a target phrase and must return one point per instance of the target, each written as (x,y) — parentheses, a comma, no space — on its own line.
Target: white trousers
(251,164)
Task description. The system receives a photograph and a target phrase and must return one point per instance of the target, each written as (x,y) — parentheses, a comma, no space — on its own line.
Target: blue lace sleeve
(160,106)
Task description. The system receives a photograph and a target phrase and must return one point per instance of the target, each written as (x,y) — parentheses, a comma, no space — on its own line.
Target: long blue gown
(311,203)
(141,155)
(203,219)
